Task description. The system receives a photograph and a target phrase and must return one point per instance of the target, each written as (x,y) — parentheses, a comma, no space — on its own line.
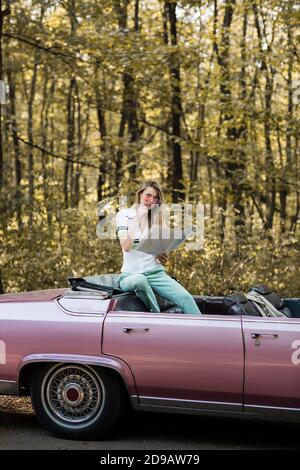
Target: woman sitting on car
(142,272)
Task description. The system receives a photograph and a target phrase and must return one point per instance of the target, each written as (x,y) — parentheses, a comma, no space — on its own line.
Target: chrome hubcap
(73,394)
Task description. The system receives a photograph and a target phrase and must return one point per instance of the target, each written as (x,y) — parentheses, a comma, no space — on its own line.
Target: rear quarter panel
(42,328)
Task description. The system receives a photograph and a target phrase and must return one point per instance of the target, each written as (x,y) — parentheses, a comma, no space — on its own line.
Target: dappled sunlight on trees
(201,95)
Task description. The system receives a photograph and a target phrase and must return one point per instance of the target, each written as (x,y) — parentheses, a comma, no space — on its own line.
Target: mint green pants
(158,281)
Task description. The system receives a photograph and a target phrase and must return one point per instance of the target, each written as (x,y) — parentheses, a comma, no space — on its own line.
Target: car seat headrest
(233,299)
(238,304)
(262,289)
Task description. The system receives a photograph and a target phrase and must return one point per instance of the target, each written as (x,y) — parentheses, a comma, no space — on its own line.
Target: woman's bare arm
(126,243)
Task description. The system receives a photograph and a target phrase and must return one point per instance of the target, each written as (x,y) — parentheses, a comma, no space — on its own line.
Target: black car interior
(232,304)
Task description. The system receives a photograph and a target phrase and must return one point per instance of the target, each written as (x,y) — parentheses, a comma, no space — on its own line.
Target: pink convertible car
(85,352)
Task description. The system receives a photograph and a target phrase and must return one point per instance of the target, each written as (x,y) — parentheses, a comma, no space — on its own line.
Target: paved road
(19,429)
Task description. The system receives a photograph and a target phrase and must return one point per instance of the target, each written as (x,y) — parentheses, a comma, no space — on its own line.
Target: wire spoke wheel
(73,394)
(76,401)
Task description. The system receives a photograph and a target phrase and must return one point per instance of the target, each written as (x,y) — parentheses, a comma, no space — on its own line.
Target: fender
(110,362)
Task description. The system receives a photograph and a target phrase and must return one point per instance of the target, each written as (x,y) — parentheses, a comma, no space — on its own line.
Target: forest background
(203,96)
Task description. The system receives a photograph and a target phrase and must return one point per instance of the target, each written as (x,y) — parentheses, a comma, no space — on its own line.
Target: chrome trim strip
(188,404)
(8,387)
(183,316)
(234,410)
(275,320)
(79,314)
(271,409)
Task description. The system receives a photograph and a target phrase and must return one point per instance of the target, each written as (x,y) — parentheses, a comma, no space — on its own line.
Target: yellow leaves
(56,19)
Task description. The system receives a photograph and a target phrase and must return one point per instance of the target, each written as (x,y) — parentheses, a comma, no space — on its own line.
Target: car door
(272,363)
(181,358)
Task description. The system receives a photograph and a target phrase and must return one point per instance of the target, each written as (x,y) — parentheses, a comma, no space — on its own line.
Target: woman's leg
(142,288)
(167,287)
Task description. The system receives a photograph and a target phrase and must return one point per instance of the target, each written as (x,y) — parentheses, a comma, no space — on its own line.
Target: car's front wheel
(76,401)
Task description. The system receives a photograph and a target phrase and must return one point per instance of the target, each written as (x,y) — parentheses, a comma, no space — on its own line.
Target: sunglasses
(149,197)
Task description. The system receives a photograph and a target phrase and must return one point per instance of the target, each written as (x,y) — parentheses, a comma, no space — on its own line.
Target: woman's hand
(162,258)
(141,212)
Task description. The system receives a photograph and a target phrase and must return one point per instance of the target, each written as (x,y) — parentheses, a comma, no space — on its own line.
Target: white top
(134,261)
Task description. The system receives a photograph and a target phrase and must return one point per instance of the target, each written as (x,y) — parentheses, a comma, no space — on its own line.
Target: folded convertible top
(79,283)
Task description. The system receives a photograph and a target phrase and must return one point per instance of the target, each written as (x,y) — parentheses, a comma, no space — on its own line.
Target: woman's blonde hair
(158,216)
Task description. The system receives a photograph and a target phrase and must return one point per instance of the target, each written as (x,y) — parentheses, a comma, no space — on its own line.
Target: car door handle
(257,335)
(133,330)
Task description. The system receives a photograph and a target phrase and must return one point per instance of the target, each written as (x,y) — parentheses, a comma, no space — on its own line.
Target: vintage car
(85,352)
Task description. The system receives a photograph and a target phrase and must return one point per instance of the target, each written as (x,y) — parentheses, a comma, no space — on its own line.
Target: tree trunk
(169,178)
(1,284)
(130,99)
(295,216)
(103,145)
(119,152)
(3,13)
(132,120)
(270,167)
(16,146)
(178,193)
(69,178)
(287,171)
(70,143)
(75,178)
(234,164)
(48,94)
(31,98)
